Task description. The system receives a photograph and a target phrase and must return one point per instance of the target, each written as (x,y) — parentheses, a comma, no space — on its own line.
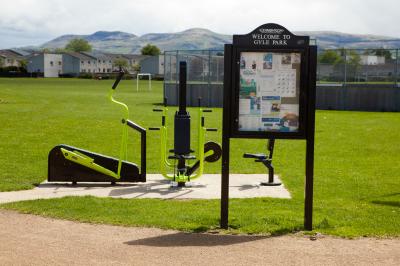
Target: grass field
(357,169)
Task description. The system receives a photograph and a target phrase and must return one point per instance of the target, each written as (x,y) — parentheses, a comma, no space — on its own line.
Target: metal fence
(347,79)
(358,66)
(205,75)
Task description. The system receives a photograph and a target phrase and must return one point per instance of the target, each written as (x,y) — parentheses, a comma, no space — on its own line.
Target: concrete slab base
(206,187)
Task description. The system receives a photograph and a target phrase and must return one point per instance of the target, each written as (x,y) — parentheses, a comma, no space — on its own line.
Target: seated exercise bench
(267,161)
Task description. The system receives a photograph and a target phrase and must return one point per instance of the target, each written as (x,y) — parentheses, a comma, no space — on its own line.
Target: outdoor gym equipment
(267,161)
(185,166)
(71,164)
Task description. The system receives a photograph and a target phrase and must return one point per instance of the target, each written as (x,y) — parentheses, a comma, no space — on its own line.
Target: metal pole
(150,81)
(345,67)
(176,76)
(226,137)
(396,68)
(182,86)
(137,82)
(309,183)
(209,78)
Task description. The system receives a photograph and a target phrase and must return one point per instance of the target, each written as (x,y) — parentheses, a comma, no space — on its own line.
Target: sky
(33,22)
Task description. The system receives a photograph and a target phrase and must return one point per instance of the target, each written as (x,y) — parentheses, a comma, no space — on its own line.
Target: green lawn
(357,169)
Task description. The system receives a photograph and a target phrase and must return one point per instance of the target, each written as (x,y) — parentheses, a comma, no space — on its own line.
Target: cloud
(32,21)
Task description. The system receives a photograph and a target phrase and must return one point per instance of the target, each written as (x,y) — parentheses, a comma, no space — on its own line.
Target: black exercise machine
(267,161)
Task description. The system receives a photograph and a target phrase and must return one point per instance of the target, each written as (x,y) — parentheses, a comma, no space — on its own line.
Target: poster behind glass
(269,91)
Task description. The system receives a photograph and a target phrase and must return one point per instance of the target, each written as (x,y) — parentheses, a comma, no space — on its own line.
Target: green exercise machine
(71,164)
(181,164)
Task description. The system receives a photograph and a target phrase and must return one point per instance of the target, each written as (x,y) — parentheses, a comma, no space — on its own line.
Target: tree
(59,50)
(150,49)
(121,63)
(330,57)
(1,62)
(383,52)
(353,62)
(136,67)
(23,63)
(78,45)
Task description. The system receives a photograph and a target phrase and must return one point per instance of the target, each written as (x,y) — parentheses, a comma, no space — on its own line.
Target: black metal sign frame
(275,39)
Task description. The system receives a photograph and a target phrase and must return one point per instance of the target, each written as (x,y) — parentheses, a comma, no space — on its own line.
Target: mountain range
(197,38)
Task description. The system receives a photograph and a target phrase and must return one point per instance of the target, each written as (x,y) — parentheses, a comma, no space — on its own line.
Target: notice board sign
(268,83)
(269,93)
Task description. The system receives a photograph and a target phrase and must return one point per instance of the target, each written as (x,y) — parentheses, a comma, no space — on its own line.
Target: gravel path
(34,240)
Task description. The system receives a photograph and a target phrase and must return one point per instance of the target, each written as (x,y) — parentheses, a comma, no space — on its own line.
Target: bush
(85,76)
(12,69)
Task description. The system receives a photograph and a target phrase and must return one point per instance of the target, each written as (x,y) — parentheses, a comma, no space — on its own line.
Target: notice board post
(269,93)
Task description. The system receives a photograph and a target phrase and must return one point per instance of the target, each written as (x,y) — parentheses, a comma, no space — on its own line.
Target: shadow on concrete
(194,240)
(247,187)
(85,185)
(153,188)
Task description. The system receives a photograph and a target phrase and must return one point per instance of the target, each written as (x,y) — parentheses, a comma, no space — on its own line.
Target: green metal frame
(88,162)
(166,163)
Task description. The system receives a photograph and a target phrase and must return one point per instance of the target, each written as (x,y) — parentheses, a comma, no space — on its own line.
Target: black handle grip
(154,128)
(119,77)
(212,129)
(207,111)
(248,155)
(157,110)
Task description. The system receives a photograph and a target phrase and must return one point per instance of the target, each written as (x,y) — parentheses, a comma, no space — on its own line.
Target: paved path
(206,187)
(34,240)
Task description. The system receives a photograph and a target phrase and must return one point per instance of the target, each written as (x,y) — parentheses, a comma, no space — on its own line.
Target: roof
(97,55)
(20,52)
(81,56)
(10,54)
(135,56)
(114,56)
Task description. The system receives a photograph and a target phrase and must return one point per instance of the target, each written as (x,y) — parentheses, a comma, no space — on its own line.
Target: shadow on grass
(194,240)
(387,203)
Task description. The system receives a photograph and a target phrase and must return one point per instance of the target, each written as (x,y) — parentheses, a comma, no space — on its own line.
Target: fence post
(165,76)
(345,66)
(209,78)
(344,87)
(176,77)
(396,67)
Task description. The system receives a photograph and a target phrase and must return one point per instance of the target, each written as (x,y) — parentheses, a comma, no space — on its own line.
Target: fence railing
(334,65)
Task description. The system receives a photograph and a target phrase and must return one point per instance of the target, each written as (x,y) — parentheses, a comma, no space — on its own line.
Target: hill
(122,42)
(197,38)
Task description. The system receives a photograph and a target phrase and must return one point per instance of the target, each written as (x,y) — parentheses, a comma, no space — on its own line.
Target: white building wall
(52,65)
(372,60)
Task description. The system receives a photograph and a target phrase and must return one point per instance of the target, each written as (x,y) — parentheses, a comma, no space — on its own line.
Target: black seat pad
(260,156)
(182,156)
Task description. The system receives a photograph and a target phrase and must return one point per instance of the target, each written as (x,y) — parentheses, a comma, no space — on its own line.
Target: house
(75,63)
(153,65)
(115,57)
(11,58)
(47,63)
(104,63)
(134,59)
(372,60)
